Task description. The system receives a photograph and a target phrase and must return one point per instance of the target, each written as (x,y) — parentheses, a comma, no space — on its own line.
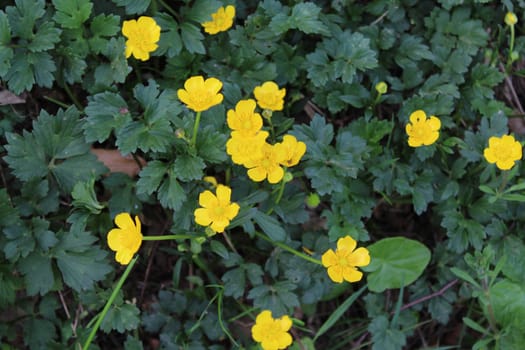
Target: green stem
(287,248)
(503,181)
(72,97)
(112,297)
(511,49)
(57,102)
(167,237)
(195,129)
(169,9)
(279,195)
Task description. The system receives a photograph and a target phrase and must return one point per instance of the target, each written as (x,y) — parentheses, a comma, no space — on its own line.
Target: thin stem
(112,297)
(279,195)
(195,129)
(228,241)
(503,181)
(169,9)
(73,97)
(167,237)
(287,248)
(430,296)
(57,102)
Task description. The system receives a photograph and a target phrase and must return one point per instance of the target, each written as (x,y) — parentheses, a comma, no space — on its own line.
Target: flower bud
(381,87)
(511,19)
(313,200)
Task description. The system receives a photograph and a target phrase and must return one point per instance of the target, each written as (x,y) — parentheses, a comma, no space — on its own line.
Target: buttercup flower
(244,149)
(272,333)
(269,96)
(511,19)
(342,263)
(422,131)
(199,94)
(503,151)
(217,211)
(243,119)
(126,239)
(221,21)
(292,150)
(267,166)
(143,35)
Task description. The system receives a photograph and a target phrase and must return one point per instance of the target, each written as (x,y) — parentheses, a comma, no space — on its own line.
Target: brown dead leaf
(8,98)
(117,163)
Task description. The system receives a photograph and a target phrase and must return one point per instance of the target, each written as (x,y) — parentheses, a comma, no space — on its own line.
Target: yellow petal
(417,116)
(115,239)
(264,317)
(434,123)
(275,175)
(230,11)
(213,85)
(346,244)
(351,274)
(202,216)
(285,323)
(505,164)
(223,195)
(219,225)
(128,27)
(257,174)
(124,221)
(123,256)
(335,273)
(489,155)
(232,210)
(360,257)
(208,200)
(329,258)
(283,340)
(184,96)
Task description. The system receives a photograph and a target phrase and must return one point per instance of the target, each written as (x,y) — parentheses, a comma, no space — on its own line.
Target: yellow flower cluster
(272,333)
(247,145)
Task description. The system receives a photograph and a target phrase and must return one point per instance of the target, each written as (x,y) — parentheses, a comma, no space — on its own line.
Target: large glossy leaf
(395,262)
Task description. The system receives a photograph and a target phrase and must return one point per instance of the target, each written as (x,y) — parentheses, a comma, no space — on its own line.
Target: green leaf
(8,214)
(170,41)
(38,333)
(105,25)
(464,276)
(187,167)
(514,251)
(124,317)
(133,7)
(192,38)
(384,337)
(105,111)
(23,17)
(72,13)
(337,313)
(234,282)
(395,262)
(150,177)
(8,286)
(475,326)
(305,17)
(28,68)
(135,135)
(171,194)
(45,38)
(80,261)
(278,298)
(270,226)
(508,303)
(5,30)
(38,273)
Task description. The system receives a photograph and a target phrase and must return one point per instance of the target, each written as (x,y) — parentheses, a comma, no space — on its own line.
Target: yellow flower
(243,148)
(503,151)
(271,332)
(422,131)
(211,180)
(342,263)
(221,21)
(268,165)
(269,96)
(142,36)
(243,119)
(511,19)
(199,94)
(217,211)
(126,239)
(292,150)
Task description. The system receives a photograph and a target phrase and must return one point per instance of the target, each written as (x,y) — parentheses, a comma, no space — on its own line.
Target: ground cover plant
(262,174)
